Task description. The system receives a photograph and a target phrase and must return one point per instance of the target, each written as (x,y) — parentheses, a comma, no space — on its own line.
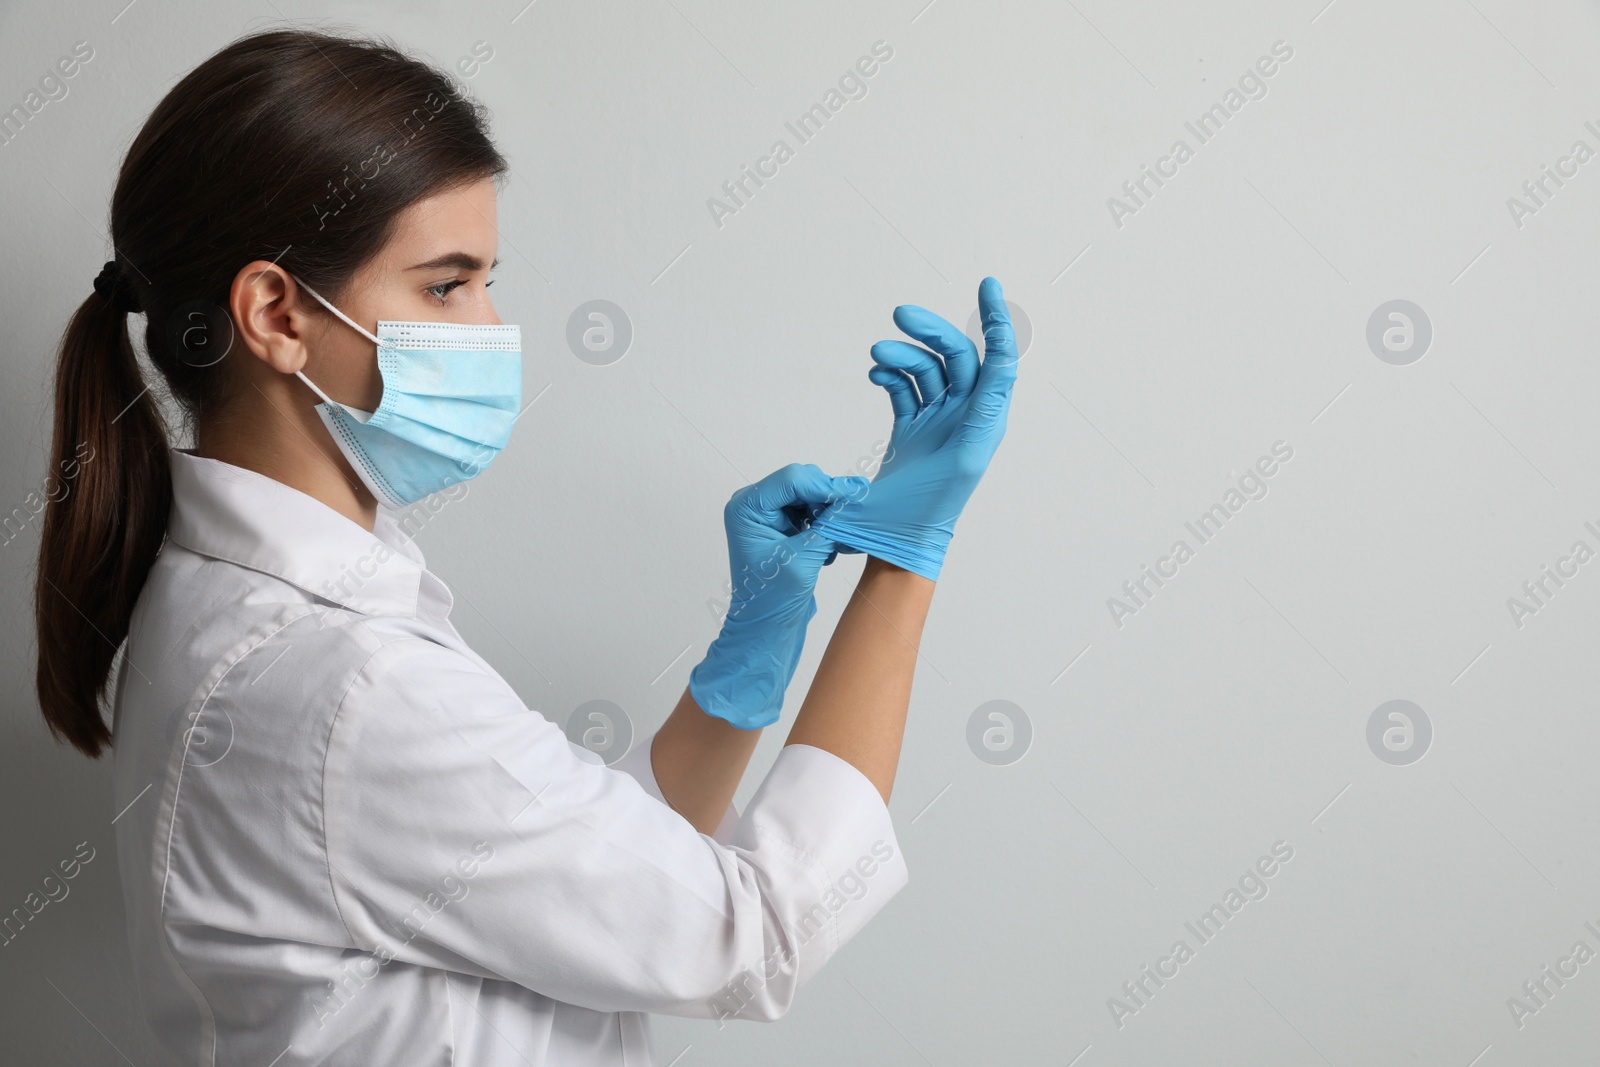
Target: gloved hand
(774,556)
(941,442)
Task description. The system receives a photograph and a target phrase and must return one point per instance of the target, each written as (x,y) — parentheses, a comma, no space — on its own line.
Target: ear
(270,313)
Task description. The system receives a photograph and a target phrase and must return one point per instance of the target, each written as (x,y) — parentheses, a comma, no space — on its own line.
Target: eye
(443,289)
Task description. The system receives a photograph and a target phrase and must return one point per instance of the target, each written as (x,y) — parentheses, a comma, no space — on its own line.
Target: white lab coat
(345,840)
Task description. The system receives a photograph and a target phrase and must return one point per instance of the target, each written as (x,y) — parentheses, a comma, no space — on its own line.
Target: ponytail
(103,523)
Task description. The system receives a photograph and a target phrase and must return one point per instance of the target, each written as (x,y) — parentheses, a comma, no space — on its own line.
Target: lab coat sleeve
(466,832)
(637,763)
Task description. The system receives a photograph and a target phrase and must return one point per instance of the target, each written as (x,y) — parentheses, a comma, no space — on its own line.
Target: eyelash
(448,288)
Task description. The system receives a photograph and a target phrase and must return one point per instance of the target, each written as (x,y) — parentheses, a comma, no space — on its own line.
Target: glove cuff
(925,557)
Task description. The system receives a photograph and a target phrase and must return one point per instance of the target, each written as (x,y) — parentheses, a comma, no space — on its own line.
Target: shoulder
(410,702)
(401,667)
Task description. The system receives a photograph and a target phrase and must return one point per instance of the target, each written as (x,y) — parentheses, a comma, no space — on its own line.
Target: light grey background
(1168,354)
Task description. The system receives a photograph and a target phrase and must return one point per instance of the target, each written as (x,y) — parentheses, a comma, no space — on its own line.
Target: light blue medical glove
(774,556)
(945,431)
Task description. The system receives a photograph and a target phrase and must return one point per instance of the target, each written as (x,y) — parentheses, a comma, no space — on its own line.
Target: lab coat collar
(237,515)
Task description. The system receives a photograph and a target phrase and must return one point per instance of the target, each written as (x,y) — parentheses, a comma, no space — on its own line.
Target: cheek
(353,369)
(372,378)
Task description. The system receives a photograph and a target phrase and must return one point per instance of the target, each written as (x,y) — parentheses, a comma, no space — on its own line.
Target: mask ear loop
(326,399)
(348,321)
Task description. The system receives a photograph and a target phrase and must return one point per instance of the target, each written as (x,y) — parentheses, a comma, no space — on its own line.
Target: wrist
(749,620)
(879,572)
(915,546)
(877,565)
(880,569)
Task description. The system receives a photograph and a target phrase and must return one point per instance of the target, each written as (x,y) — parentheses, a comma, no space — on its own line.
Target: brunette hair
(296,147)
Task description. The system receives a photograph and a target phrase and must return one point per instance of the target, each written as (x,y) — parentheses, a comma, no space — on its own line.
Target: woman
(342,837)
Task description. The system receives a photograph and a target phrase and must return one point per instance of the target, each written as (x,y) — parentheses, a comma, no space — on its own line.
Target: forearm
(856,706)
(698,760)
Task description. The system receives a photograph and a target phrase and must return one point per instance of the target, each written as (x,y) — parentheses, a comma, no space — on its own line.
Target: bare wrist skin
(856,707)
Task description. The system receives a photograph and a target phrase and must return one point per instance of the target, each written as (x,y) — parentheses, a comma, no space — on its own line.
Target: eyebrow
(459,260)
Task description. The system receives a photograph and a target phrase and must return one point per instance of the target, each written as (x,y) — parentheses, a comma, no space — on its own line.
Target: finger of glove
(999,338)
(960,355)
(924,366)
(999,371)
(797,483)
(902,394)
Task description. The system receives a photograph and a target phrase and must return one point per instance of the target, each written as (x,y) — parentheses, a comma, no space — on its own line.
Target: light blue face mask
(450,395)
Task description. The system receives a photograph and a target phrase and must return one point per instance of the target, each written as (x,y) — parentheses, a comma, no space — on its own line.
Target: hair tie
(113,287)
